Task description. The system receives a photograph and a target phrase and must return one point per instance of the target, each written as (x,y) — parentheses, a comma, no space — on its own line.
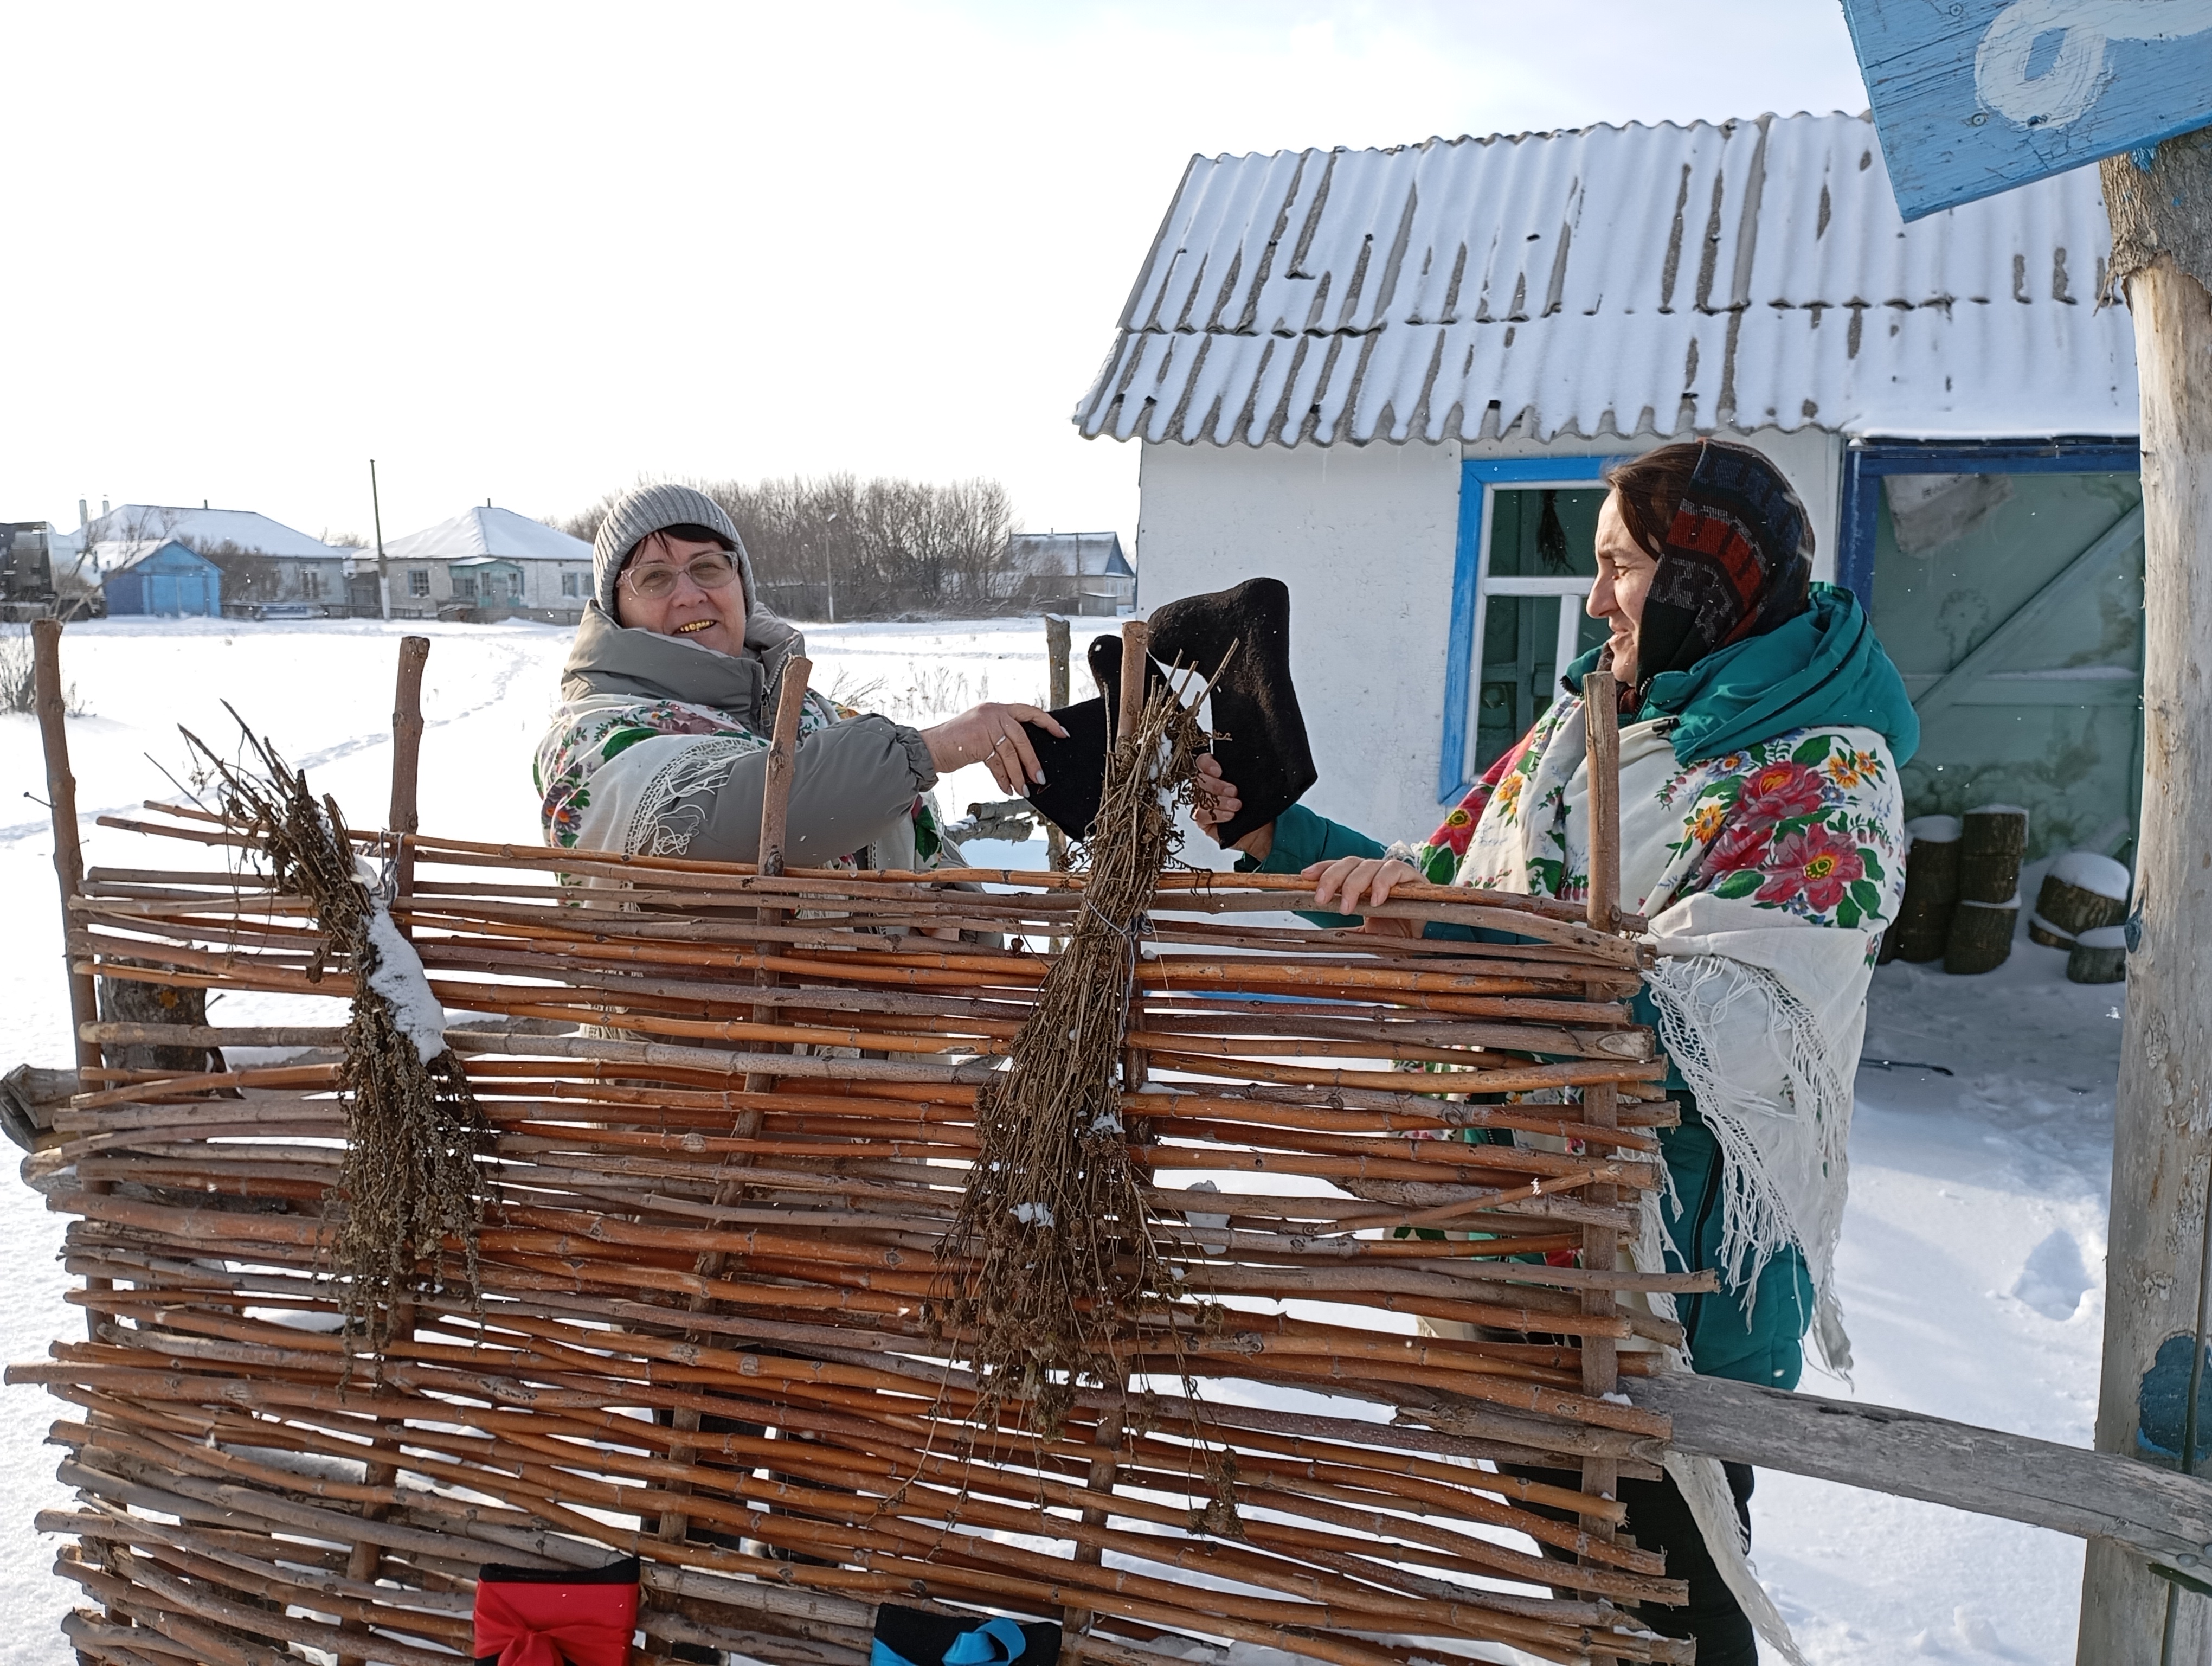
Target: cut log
(1931,888)
(2158,1513)
(1981,936)
(2083,892)
(2099,955)
(1991,851)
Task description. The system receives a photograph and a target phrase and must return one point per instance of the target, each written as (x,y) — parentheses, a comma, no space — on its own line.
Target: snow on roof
(143,553)
(1075,555)
(1609,279)
(483,530)
(129,529)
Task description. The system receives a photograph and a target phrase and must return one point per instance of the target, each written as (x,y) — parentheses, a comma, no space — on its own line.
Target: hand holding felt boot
(1261,745)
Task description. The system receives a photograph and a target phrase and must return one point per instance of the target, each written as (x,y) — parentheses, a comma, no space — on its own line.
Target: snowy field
(1973,1249)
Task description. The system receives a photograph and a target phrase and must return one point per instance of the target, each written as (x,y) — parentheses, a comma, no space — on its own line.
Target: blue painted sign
(1973,97)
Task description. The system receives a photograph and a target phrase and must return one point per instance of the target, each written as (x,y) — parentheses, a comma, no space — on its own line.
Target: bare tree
(837,547)
(248,575)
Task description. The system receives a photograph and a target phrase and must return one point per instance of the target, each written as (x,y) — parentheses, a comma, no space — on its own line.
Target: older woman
(1762,834)
(659,747)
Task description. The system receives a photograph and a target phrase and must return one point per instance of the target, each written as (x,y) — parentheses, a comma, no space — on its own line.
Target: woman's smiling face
(713,618)
(1624,571)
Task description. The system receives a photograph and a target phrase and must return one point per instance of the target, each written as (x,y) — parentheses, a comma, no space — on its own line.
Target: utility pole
(383,571)
(2158,1261)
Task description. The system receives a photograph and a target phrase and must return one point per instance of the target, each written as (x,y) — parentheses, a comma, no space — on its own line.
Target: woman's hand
(1214,802)
(991,733)
(1352,885)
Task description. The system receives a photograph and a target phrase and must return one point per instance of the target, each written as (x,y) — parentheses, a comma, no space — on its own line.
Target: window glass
(1543,533)
(1540,533)
(418,581)
(1520,667)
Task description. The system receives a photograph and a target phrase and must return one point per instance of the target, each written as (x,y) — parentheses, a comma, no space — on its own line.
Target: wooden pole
(61,801)
(1135,658)
(1600,1357)
(1601,721)
(775,832)
(782,759)
(2157,1259)
(1136,645)
(407,758)
(1056,697)
(69,858)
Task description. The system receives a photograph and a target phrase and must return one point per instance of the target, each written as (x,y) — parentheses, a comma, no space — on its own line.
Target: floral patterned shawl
(586,797)
(1768,875)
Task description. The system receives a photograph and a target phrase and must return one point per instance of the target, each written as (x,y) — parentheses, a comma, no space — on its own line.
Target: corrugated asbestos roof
(1610,279)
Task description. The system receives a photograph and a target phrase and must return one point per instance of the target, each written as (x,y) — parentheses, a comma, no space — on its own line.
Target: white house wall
(1366,538)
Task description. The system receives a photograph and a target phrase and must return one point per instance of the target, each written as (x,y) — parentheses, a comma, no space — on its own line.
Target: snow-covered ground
(1973,1249)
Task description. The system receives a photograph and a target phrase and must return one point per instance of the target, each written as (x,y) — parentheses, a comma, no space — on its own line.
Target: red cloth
(555,1625)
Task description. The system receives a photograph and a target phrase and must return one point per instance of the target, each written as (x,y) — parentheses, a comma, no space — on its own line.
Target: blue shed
(168,580)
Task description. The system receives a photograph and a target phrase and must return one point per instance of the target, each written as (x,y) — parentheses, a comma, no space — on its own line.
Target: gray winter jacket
(660,748)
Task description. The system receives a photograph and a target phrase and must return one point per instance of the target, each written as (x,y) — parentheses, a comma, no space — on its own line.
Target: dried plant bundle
(410,1180)
(1052,1260)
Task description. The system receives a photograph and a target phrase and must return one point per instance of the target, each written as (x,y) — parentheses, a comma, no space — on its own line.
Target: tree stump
(1981,936)
(2099,955)
(1931,889)
(2083,892)
(1989,853)
(127,1000)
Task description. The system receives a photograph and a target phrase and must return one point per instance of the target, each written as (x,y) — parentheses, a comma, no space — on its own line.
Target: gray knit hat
(644,510)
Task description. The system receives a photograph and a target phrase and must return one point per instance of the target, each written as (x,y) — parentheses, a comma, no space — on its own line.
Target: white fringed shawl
(1767,876)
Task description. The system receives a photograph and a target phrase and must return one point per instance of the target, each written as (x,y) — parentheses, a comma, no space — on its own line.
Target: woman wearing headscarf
(1762,834)
(659,746)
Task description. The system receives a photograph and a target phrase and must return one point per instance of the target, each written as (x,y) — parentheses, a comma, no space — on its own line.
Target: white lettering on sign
(2075,76)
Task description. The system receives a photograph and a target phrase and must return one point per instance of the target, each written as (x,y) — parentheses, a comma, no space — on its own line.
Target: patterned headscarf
(1733,562)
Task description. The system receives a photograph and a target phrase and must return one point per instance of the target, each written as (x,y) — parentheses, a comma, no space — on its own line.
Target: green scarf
(1822,669)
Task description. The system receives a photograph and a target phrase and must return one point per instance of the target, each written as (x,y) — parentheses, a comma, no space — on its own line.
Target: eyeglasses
(658,579)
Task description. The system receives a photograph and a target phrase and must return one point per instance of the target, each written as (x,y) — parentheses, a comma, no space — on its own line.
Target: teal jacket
(1823,667)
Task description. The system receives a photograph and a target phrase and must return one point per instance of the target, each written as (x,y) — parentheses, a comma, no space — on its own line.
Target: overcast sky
(529,252)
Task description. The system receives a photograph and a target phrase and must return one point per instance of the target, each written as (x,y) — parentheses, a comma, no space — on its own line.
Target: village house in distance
(486,563)
(1391,378)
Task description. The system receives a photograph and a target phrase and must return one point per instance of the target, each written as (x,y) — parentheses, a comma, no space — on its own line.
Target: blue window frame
(1865,461)
(1480,482)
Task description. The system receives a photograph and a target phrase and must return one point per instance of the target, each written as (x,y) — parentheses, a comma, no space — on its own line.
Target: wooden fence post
(61,801)
(1601,1102)
(365,1559)
(2156,1267)
(407,759)
(774,831)
(1055,654)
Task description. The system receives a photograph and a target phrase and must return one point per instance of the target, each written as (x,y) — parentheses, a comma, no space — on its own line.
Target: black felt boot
(1261,745)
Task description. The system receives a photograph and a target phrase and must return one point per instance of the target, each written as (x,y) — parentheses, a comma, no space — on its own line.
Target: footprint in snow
(2054,1280)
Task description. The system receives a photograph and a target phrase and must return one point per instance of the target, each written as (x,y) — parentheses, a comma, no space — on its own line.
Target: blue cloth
(1823,668)
(995,1643)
